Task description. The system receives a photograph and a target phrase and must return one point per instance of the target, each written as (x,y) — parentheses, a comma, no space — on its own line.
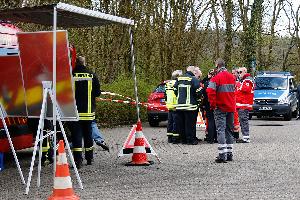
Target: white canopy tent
(67,16)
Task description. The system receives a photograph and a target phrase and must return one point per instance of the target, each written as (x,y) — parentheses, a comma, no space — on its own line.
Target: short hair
(220,63)
(176,74)
(80,60)
(190,68)
(244,69)
(197,71)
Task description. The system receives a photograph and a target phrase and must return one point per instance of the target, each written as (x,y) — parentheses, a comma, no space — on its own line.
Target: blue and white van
(275,94)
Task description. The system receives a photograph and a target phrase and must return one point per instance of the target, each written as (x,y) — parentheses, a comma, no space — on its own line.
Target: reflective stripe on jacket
(170,95)
(87,88)
(186,89)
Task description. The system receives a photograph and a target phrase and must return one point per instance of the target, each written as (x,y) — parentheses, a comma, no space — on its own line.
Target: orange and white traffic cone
(139,157)
(62,189)
(200,122)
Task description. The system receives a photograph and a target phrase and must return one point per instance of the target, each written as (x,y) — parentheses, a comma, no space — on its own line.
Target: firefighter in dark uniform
(187,90)
(87,88)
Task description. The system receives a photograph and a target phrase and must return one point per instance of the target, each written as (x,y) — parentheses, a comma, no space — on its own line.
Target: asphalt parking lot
(266,168)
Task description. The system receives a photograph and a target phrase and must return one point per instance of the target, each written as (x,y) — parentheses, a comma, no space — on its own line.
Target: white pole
(10,143)
(54,86)
(67,145)
(37,137)
(134,73)
(41,151)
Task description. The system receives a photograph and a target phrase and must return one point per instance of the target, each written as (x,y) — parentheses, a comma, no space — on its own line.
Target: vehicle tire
(258,116)
(153,122)
(250,116)
(295,113)
(288,116)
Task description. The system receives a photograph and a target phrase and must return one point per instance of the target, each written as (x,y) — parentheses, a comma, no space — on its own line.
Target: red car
(157,110)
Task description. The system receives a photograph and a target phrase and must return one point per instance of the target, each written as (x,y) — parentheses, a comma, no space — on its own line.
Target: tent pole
(134,73)
(54,85)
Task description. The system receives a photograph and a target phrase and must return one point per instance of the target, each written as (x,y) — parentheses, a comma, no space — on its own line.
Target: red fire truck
(21,136)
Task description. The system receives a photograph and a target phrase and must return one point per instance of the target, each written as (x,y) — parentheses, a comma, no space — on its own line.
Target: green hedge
(111,113)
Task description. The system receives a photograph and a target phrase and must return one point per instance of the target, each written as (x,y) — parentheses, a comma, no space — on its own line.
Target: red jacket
(237,86)
(221,90)
(245,93)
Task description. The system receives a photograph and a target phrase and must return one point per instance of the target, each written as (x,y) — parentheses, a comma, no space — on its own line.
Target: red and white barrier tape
(129,100)
(123,101)
(115,94)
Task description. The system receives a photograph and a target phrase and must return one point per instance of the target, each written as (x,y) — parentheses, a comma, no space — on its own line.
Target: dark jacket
(87,88)
(187,91)
(205,102)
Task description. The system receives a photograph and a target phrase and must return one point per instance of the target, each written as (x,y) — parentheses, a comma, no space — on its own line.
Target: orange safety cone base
(139,157)
(54,197)
(132,163)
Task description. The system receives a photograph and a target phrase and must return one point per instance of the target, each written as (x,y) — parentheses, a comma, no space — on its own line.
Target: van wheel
(295,113)
(288,116)
(258,116)
(153,122)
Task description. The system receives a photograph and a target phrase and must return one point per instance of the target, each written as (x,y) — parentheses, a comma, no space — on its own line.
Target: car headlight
(284,100)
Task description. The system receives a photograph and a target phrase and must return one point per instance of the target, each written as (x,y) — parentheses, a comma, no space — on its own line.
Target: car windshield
(160,88)
(271,83)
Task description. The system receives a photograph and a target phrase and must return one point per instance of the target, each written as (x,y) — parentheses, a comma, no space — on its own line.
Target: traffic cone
(62,189)
(139,157)
(200,121)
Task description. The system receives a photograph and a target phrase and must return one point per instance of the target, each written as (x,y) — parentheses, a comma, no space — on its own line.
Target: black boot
(78,164)
(44,159)
(78,158)
(220,160)
(89,161)
(103,145)
(89,157)
(236,135)
(170,139)
(229,157)
(175,140)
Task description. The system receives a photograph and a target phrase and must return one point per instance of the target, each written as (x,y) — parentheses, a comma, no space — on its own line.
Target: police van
(275,94)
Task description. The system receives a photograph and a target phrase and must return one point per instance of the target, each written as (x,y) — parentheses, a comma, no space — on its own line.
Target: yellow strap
(184,79)
(77,149)
(89,149)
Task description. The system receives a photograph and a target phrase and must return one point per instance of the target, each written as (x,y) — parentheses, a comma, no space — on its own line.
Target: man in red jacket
(245,101)
(221,97)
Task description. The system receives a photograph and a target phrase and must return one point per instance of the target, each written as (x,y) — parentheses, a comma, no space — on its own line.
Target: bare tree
(277,7)
(227,6)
